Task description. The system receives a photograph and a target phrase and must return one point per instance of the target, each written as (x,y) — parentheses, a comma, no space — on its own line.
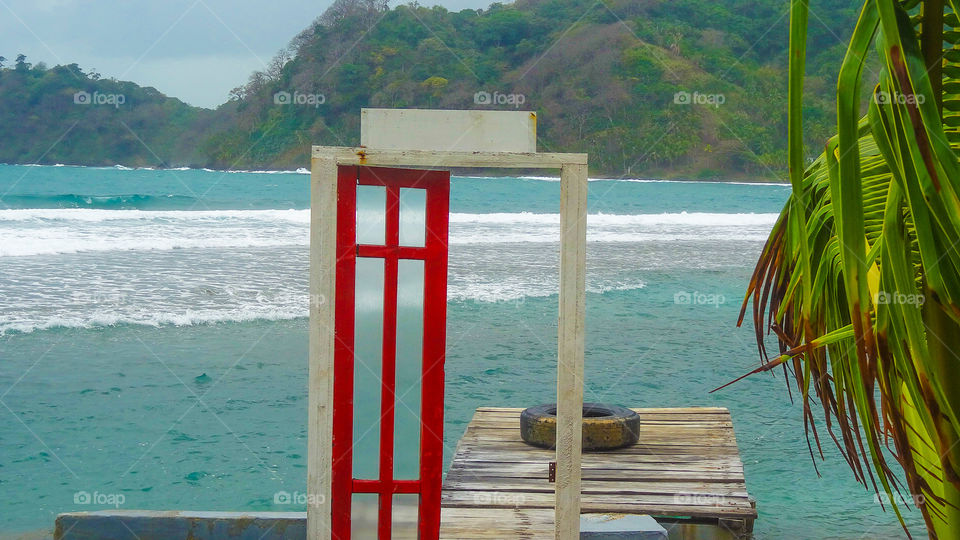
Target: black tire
(605,427)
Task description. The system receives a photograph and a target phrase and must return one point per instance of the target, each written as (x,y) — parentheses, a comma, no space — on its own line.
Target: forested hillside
(63,115)
(604,77)
(685,88)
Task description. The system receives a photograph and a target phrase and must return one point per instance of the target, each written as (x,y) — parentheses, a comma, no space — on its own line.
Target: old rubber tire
(605,427)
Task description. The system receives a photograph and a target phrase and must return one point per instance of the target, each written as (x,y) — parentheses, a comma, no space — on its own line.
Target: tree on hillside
(364,10)
(860,278)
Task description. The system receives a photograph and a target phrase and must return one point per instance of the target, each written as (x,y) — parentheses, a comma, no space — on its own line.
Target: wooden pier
(685,471)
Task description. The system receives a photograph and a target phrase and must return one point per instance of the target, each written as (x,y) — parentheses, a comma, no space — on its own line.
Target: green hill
(687,88)
(603,75)
(63,115)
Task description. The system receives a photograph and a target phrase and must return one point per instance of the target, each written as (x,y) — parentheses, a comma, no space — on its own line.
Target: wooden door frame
(433,255)
(323,240)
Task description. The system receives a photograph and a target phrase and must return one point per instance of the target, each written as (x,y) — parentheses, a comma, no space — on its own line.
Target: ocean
(153,335)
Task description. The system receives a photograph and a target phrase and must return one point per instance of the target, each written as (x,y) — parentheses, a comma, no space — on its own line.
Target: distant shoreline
(469,173)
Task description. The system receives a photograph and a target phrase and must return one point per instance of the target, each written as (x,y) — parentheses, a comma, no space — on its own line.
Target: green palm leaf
(860,278)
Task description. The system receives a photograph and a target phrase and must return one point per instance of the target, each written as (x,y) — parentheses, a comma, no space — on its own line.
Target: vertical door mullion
(344,329)
(434,352)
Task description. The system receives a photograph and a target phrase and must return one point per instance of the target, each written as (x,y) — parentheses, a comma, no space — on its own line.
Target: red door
(392,248)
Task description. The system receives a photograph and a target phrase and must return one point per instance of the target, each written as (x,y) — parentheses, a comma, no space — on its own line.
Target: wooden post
(573,263)
(323,241)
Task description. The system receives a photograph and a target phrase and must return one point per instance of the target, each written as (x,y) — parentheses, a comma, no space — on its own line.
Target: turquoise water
(153,335)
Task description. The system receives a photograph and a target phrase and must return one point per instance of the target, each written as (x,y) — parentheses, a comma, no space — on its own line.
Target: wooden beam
(449,130)
(432,158)
(323,240)
(573,265)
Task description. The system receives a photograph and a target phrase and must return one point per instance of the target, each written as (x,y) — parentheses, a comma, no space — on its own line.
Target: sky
(195,50)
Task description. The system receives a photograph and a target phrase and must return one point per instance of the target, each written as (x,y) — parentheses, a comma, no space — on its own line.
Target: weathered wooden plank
(508,422)
(668,410)
(511,430)
(644,417)
(639,474)
(714,420)
(372,157)
(647,434)
(519,453)
(573,269)
(448,130)
(597,471)
(653,463)
(323,228)
(604,461)
(657,505)
(611,487)
(652,431)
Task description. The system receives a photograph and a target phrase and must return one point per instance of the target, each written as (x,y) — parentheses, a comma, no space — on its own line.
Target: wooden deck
(686,467)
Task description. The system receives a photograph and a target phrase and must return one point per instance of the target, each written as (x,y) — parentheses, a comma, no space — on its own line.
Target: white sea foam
(681,218)
(47,231)
(91,267)
(300,170)
(100,215)
(51,243)
(185,318)
(516,291)
(161,298)
(303,216)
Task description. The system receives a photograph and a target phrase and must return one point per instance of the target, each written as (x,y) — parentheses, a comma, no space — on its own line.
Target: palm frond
(860,278)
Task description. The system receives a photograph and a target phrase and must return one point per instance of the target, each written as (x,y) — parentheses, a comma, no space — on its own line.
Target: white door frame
(323,237)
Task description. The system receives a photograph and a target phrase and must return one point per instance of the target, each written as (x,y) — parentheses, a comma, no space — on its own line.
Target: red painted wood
(434,354)
(346,270)
(434,255)
(375,486)
(400,252)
